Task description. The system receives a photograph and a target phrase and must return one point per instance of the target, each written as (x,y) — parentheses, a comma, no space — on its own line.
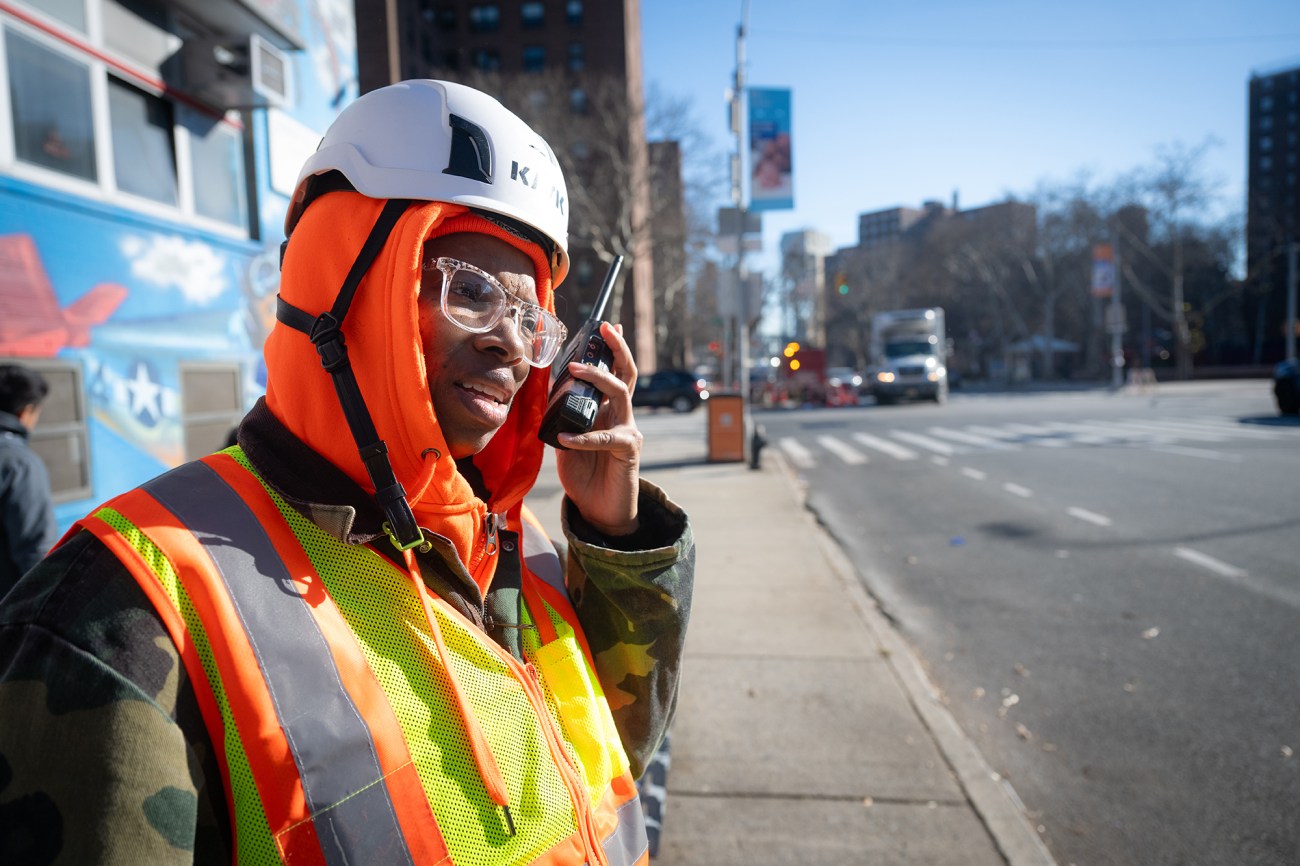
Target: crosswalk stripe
(1085,433)
(1199,428)
(1156,434)
(1001,434)
(801,456)
(898,452)
(1164,430)
(970,439)
(842,450)
(1038,436)
(926,442)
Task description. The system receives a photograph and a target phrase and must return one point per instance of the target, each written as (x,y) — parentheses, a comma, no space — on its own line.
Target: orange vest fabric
(318,768)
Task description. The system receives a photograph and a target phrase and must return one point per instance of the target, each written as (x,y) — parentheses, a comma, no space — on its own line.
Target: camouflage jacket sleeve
(104,758)
(633,599)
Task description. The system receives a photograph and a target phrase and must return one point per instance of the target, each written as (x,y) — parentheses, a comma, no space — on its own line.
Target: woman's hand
(600,471)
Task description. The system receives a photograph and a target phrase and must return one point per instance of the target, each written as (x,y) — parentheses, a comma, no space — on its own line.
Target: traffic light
(790,351)
(842,283)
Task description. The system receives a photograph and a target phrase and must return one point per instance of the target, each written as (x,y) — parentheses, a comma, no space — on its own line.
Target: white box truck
(909,355)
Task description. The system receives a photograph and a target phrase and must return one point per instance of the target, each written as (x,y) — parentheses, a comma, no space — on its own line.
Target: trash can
(726,428)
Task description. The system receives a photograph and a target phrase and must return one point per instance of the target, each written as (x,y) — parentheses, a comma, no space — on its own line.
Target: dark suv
(676,389)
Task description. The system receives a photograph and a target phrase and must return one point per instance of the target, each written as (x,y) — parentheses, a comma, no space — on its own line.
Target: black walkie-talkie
(572,405)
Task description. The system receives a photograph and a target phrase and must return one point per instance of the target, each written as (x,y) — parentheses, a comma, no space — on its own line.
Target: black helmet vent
(471,156)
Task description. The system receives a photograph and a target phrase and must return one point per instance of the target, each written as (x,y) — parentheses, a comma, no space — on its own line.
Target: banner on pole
(771,179)
(1103,271)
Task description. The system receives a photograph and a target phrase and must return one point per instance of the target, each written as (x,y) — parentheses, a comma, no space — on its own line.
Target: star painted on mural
(145,395)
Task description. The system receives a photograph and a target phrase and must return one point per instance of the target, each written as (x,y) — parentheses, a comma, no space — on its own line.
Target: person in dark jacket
(28,529)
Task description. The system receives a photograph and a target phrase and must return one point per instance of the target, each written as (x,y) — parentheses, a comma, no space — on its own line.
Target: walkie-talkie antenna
(606,289)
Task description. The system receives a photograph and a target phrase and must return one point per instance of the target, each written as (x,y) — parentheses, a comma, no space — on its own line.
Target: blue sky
(901,102)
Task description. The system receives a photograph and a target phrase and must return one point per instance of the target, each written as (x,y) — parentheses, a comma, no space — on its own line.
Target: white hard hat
(443,141)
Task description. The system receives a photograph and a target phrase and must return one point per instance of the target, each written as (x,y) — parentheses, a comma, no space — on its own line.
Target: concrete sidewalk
(806,731)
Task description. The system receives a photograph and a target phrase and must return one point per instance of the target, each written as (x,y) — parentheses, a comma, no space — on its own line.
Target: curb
(992,797)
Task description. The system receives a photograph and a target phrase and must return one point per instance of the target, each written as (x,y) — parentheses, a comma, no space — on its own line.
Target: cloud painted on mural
(193,267)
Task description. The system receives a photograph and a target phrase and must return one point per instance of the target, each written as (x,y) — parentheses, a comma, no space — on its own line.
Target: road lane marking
(1088,516)
(1239,577)
(898,452)
(1017,490)
(1203,453)
(842,450)
(926,442)
(974,473)
(801,456)
(1206,561)
(939,461)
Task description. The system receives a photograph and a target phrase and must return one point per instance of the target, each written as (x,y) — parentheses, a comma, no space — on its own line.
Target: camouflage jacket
(104,756)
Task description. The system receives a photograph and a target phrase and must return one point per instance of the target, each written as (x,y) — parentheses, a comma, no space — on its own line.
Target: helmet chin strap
(326,335)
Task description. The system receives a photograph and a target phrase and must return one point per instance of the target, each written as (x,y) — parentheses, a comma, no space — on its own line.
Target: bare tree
(1175,192)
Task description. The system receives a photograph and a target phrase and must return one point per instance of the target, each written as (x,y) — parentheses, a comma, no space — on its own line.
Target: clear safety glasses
(474,300)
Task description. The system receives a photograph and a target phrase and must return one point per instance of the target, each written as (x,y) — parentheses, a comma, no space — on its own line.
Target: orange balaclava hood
(382,334)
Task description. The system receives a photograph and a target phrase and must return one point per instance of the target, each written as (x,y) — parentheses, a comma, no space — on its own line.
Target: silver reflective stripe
(628,843)
(541,559)
(354,816)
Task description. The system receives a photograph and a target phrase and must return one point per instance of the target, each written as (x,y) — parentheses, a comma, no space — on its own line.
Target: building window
(1265,163)
(487,59)
(485,18)
(578,100)
(1265,123)
(51,104)
(446,18)
(1266,103)
(60,437)
(532,15)
(577,57)
(1265,142)
(534,58)
(212,405)
(573,13)
(144,155)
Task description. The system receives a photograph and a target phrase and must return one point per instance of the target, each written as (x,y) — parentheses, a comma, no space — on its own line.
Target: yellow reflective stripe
(253,836)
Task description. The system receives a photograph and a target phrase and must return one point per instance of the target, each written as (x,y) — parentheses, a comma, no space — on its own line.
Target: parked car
(678,390)
(1286,387)
(843,386)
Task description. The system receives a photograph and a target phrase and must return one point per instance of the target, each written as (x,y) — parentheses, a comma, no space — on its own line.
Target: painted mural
(130,297)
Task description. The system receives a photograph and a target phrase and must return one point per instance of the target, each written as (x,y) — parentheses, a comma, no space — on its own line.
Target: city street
(1106,589)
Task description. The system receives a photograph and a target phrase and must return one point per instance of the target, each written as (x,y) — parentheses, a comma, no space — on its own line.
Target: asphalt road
(1106,588)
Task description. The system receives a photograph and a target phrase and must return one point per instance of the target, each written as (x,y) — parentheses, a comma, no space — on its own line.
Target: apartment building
(1272,205)
(572,69)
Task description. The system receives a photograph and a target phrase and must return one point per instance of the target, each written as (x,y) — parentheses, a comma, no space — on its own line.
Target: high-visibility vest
(359,718)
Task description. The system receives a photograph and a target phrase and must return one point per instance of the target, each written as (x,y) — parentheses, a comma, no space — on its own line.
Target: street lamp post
(741,330)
